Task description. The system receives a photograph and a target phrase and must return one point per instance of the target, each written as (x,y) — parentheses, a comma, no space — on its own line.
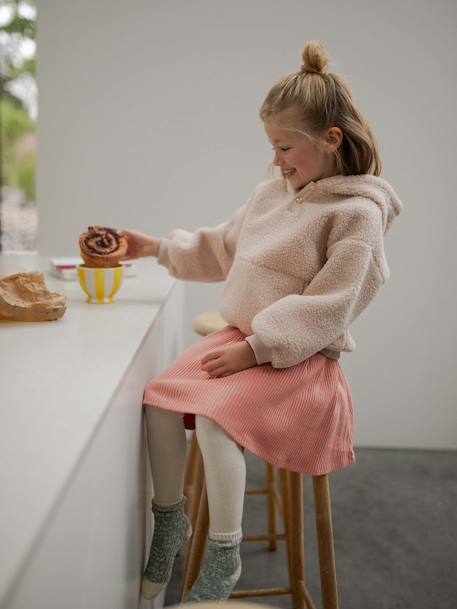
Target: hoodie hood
(369,186)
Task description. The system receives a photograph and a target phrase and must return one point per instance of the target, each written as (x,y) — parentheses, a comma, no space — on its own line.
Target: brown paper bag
(25,297)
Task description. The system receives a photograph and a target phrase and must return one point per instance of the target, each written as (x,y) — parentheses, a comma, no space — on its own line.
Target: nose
(276,160)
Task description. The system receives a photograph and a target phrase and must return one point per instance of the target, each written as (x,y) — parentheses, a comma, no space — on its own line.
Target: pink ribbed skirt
(299,418)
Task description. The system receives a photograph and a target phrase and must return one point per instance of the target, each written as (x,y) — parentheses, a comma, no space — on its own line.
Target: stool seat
(208,322)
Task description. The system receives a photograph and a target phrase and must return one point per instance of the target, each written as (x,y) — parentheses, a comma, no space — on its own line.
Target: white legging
(223,461)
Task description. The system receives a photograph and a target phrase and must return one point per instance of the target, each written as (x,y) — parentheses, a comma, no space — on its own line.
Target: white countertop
(57,380)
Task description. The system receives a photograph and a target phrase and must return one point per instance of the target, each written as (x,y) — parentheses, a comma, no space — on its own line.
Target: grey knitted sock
(172,528)
(220,572)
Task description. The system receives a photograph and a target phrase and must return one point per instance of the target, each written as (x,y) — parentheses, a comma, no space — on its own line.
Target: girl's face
(300,160)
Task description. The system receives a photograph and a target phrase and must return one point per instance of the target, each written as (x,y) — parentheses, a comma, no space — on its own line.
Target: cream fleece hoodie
(299,266)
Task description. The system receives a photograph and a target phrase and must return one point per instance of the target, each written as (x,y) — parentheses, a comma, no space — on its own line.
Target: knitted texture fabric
(171,530)
(219,574)
(299,418)
(299,267)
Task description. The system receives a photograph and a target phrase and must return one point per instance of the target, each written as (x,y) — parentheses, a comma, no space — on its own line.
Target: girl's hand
(227,360)
(139,244)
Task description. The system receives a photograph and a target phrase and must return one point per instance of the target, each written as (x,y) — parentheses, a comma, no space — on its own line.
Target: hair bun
(315,58)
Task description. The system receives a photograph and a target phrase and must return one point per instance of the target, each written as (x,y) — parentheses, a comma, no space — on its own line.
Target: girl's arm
(299,325)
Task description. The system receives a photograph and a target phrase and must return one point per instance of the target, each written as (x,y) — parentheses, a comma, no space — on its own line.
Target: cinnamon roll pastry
(102,246)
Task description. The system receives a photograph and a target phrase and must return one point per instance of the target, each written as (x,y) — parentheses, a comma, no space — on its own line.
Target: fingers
(209,356)
(128,234)
(220,371)
(212,365)
(218,374)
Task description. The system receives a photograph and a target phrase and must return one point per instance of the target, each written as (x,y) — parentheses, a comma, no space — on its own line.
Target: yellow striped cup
(100,284)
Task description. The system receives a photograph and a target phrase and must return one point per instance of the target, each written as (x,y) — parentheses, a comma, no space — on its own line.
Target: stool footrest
(257,491)
(264,537)
(261,592)
(265,491)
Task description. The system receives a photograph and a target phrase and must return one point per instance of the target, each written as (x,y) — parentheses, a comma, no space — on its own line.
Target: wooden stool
(289,503)
(292,508)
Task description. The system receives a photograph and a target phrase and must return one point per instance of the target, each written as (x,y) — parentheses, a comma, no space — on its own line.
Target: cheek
(298,161)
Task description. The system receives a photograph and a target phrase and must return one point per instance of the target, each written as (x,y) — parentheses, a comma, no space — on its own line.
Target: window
(18,116)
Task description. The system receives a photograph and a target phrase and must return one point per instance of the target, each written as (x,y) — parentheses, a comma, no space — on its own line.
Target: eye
(283,149)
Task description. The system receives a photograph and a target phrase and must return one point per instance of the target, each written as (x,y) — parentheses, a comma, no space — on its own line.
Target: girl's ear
(334,138)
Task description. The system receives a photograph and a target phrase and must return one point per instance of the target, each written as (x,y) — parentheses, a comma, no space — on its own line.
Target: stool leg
(302,597)
(197,545)
(283,478)
(297,538)
(324,528)
(272,505)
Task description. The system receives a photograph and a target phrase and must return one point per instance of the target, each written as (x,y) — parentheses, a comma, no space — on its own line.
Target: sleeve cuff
(263,354)
(163,257)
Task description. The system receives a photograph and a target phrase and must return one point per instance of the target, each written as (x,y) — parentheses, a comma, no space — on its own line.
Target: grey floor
(395,534)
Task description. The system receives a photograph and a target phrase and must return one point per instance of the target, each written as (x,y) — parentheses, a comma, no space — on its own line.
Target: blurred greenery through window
(18,116)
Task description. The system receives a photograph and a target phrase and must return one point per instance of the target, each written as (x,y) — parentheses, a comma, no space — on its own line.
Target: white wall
(149,120)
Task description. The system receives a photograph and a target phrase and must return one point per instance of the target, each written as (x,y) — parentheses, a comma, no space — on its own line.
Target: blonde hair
(312,100)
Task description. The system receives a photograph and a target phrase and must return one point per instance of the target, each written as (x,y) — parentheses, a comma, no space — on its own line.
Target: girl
(302,258)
